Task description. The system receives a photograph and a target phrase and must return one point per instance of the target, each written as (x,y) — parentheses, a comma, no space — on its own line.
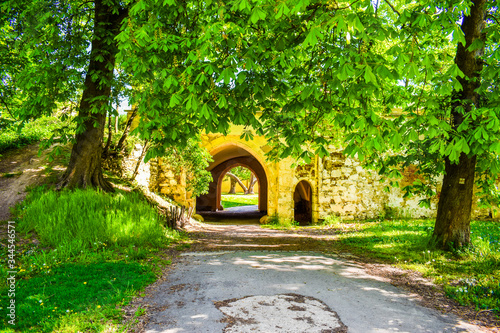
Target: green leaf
(257,14)
(282,10)
(476,45)
(369,76)
(174,100)
(222,102)
(396,140)
(495,147)
(312,37)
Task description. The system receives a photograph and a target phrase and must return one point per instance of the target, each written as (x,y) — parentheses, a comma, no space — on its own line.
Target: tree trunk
(108,142)
(139,161)
(236,179)
(452,228)
(253,181)
(121,142)
(84,168)
(232,189)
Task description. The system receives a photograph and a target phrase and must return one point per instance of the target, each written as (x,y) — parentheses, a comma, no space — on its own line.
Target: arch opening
(225,159)
(302,198)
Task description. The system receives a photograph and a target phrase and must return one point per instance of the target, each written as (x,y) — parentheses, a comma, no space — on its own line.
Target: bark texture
(452,227)
(84,168)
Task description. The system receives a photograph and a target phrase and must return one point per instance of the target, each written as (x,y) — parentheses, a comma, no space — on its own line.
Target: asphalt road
(285,292)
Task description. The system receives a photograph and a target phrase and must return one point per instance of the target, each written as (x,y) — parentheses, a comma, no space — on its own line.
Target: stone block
(335,208)
(349,208)
(336,173)
(324,199)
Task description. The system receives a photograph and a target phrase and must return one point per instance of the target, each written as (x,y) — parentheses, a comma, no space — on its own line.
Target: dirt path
(19,169)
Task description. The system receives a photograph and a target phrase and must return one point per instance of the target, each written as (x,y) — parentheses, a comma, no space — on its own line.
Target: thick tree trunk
(236,179)
(452,228)
(84,168)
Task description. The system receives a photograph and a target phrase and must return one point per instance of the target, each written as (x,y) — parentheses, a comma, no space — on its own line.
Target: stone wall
(353,192)
(340,185)
(169,183)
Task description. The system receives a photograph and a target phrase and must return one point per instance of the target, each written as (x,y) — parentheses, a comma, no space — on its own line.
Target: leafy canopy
(371,76)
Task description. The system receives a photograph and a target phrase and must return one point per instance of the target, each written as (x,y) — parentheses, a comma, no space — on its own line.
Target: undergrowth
(13,135)
(96,251)
(91,218)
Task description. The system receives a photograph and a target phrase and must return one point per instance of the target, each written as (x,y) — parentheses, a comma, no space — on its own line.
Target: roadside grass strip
(470,275)
(55,299)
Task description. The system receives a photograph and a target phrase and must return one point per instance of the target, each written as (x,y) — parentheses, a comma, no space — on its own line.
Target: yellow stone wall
(340,185)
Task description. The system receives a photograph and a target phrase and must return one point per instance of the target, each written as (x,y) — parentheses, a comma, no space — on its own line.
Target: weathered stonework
(338,185)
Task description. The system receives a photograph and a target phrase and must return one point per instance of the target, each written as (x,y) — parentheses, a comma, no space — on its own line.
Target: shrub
(12,136)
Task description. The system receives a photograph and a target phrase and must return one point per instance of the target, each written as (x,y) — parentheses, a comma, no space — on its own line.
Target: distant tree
(239,174)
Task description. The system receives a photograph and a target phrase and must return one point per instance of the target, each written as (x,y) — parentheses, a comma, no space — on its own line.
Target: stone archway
(225,159)
(302,198)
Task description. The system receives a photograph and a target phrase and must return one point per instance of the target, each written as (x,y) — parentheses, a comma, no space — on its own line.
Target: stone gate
(333,185)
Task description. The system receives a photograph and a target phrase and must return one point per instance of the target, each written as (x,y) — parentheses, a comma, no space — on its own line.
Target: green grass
(12,137)
(97,251)
(92,219)
(279,223)
(471,276)
(235,200)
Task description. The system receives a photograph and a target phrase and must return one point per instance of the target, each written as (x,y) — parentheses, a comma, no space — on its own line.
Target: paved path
(244,291)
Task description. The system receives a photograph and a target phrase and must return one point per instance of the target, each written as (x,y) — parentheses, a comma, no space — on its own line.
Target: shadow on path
(234,215)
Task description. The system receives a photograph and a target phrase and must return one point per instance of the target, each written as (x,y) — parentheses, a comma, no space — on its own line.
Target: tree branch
(392,7)
(7,107)
(233,176)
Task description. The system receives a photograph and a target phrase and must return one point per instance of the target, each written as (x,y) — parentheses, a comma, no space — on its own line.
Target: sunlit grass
(235,200)
(96,251)
(471,275)
(12,136)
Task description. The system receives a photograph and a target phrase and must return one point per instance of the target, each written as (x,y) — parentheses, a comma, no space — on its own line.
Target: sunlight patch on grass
(471,275)
(235,200)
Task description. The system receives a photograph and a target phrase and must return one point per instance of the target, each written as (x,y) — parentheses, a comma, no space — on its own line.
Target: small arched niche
(302,198)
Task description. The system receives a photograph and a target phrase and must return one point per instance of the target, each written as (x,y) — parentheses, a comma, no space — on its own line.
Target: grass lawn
(234,200)
(97,251)
(470,276)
